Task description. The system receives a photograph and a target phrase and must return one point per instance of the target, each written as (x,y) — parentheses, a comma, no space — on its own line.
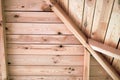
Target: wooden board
(88,16)
(26,5)
(45,49)
(36,28)
(45,60)
(45,78)
(56,78)
(45,70)
(42,39)
(76,11)
(101,19)
(32,17)
(113,33)
(3,56)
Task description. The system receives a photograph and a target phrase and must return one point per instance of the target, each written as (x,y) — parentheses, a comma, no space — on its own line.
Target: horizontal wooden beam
(105,49)
(80,36)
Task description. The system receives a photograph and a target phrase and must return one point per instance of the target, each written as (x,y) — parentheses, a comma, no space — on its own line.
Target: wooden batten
(86,65)
(3,60)
(80,36)
(105,49)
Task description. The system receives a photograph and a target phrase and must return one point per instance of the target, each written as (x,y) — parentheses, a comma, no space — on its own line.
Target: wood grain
(86,73)
(76,11)
(80,36)
(45,70)
(45,78)
(45,60)
(42,39)
(101,19)
(36,28)
(26,5)
(3,56)
(88,16)
(113,33)
(32,17)
(45,49)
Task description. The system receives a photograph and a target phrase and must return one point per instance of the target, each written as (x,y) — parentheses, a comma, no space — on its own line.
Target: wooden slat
(45,70)
(101,19)
(86,65)
(26,5)
(96,71)
(32,17)
(45,49)
(113,33)
(105,49)
(116,62)
(76,11)
(35,28)
(42,39)
(56,78)
(45,78)
(45,60)
(4,72)
(88,16)
(80,36)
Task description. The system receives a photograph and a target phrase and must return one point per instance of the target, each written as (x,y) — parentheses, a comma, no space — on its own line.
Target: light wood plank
(80,36)
(42,39)
(96,71)
(88,16)
(4,71)
(45,60)
(76,11)
(36,28)
(26,5)
(113,33)
(45,78)
(105,49)
(86,65)
(45,49)
(32,17)
(45,70)
(56,78)
(116,62)
(101,19)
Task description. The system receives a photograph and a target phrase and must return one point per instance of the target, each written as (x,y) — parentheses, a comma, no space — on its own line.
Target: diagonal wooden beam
(2,47)
(80,36)
(105,49)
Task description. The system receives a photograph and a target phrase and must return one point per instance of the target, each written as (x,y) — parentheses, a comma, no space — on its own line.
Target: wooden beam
(86,65)
(2,47)
(105,49)
(80,36)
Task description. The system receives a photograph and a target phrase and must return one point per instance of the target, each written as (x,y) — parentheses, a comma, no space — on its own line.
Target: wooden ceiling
(30,25)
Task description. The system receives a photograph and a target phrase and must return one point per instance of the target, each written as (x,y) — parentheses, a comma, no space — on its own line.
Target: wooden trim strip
(86,65)
(80,36)
(105,49)
(2,47)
